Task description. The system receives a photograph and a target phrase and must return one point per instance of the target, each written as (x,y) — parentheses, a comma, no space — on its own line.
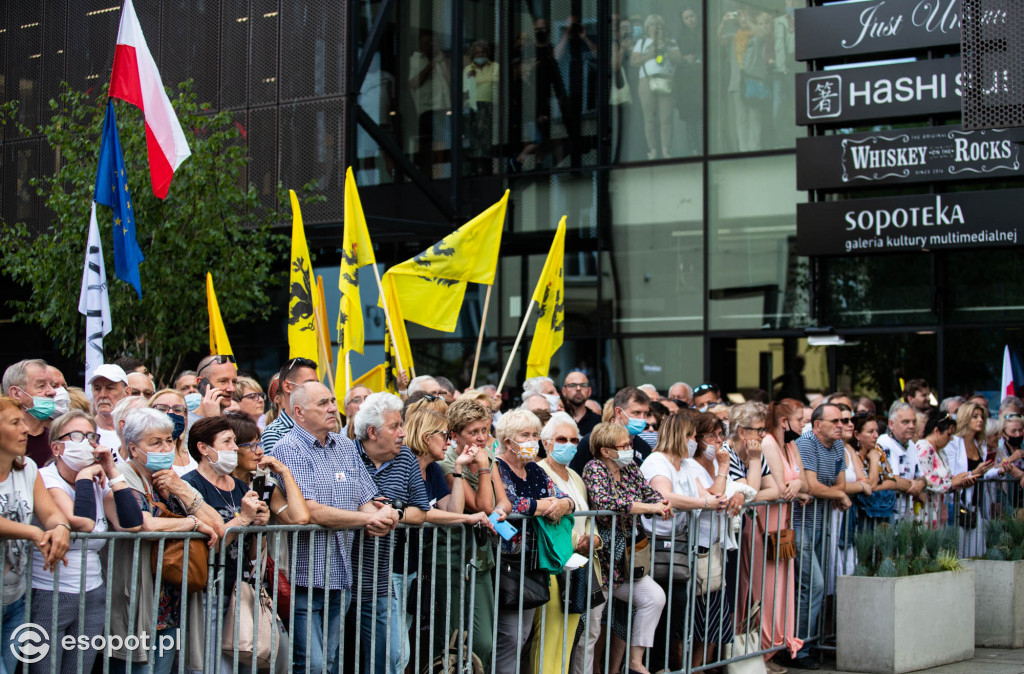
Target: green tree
(210,221)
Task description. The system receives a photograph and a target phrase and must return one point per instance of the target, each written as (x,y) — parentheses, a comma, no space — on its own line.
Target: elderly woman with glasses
(614,482)
(88,489)
(172,403)
(156,488)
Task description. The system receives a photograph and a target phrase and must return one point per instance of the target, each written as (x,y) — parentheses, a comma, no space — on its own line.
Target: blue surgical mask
(42,407)
(480,61)
(156,461)
(179,424)
(636,426)
(563,452)
(193,401)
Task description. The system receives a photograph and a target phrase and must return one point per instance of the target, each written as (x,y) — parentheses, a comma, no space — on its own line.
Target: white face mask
(691,446)
(709,453)
(77,455)
(624,458)
(227,461)
(61,402)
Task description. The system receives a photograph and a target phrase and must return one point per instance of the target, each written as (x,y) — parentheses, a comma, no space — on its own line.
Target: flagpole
(480,337)
(348,370)
(322,348)
(519,337)
(387,319)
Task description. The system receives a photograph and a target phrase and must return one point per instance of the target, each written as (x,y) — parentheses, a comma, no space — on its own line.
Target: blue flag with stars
(112,191)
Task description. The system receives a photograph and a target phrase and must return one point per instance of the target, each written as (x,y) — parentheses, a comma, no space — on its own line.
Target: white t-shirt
(711,525)
(17,503)
(659,465)
(186,469)
(111,440)
(71,575)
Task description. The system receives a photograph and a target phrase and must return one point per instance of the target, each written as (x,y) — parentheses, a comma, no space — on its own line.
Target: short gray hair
(745,414)
(898,407)
(558,419)
(946,402)
(533,385)
(124,406)
(17,374)
(649,389)
(141,422)
(417,383)
(301,396)
(1011,403)
(371,412)
(514,422)
(526,400)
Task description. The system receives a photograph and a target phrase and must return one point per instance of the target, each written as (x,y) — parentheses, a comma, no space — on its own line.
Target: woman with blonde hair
(656,55)
(250,400)
(172,403)
(968,451)
(665,471)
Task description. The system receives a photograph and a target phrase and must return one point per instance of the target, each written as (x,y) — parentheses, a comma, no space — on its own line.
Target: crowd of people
(751,488)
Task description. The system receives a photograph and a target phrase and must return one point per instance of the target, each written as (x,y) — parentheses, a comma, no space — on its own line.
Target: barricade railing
(438,597)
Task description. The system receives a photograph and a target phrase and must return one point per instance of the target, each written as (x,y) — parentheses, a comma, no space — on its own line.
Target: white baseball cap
(109,371)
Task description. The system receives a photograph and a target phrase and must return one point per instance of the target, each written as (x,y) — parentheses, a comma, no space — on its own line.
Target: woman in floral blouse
(614,482)
(938,477)
(521,486)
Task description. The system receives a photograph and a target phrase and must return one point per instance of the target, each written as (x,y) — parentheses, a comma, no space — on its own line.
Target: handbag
(668,562)
(967,514)
(755,89)
(621,93)
(530,584)
(709,570)
(639,556)
(742,644)
(659,84)
(448,662)
(780,545)
(256,638)
(272,577)
(578,600)
(174,556)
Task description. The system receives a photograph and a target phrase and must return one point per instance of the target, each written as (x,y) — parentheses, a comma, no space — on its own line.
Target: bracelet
(117,480)
(65,525)
(196,504)
(195,522)
(456,474)
(483,470)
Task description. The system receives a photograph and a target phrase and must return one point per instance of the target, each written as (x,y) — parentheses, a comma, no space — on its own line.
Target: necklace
(229,500)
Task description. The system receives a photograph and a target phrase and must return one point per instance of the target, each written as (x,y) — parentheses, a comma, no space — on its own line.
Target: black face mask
(1015,442)
(789,435)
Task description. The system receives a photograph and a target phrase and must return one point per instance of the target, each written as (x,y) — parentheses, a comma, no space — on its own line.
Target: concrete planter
(998,603)
(896,625)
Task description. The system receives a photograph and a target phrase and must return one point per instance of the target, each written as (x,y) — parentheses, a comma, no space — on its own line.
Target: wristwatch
(399,507)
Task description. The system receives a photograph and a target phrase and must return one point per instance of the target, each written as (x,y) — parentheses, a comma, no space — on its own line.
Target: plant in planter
(908,549)
(1005,536)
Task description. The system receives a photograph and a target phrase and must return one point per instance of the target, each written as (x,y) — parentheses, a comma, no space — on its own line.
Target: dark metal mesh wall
(992,42)
(190,49)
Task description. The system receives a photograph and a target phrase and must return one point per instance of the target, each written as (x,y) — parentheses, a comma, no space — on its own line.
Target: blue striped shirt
(332,475)
(275,430)
(399,479)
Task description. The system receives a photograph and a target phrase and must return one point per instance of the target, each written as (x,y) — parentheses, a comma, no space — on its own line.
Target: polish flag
(135,79)
(1007,388)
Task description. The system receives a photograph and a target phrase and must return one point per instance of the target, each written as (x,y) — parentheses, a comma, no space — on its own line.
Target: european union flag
(112,191)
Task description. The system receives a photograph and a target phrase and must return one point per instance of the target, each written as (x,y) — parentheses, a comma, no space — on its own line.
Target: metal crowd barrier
(446,592)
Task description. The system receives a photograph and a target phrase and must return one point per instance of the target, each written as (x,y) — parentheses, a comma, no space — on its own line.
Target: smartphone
(259,485)
(204,386)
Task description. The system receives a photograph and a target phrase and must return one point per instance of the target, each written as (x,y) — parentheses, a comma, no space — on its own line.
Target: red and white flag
(1007,388)
(135,79)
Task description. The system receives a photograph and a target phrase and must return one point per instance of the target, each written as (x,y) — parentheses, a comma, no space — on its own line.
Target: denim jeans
(14,616)
(811,590)
(401,583)
(382,633)
(309,618)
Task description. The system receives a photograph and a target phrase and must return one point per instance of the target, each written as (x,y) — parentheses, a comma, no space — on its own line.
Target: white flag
(93,300)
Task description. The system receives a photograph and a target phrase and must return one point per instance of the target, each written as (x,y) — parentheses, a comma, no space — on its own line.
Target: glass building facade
(663,129)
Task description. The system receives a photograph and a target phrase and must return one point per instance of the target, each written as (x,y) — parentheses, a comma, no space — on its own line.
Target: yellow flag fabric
(219,344)
(356,252)
(431,285)
(373,380)
(322,332)
(401,337)
(550,298)
(302,339)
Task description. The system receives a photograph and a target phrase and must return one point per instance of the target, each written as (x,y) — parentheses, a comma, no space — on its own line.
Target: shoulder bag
(256,631)
(709,570)
(639,557)
(514,581)
(668,562)
(659,84)
(780,545)
(174,556)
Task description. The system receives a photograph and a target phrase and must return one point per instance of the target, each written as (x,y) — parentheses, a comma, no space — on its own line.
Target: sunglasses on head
(217,360)
(299,362)
(704,388)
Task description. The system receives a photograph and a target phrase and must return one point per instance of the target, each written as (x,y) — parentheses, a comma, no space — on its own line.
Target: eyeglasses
(217,360)
(575,386)
(832,421)
(1010,416)
(180,410)
(447,434)
(624,447)
(760,431)
(78,436)
(561,439)
(714,436)
(846,420)
(251,446)
(256,395)
(430,397)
